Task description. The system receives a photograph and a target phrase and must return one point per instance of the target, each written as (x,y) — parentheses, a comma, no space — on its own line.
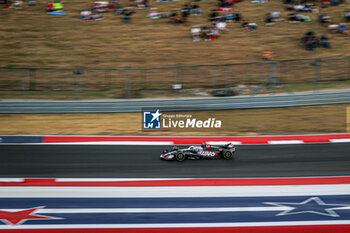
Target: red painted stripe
(188,182)
(196,140)
(273,229)
(62,139)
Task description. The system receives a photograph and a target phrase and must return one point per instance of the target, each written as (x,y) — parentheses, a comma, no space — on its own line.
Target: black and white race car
(205,151)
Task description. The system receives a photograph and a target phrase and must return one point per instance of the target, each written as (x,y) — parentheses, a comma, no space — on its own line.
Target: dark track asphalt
(144,162)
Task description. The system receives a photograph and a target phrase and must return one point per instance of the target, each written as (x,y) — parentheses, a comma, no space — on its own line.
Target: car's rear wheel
(180,156)
(226,154)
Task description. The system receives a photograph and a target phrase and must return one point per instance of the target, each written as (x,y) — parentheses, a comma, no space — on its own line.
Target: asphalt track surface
(144,162)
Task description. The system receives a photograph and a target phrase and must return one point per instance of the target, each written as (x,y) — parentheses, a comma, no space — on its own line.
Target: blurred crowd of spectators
(219,17)
(332,26)
(311,41)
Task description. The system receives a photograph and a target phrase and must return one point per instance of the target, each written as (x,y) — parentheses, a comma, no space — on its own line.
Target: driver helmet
(175,148)
(206,146)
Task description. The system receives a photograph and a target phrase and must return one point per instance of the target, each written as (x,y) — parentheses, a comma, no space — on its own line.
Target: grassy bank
(30,37)
(292,120)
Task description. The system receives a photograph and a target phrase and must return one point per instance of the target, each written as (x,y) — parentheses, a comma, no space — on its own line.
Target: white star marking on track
(311,205)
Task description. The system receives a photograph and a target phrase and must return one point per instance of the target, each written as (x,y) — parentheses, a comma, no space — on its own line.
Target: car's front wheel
(180,156)
(226,154)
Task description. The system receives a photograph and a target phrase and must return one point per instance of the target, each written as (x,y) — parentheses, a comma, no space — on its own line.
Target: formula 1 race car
(205,151)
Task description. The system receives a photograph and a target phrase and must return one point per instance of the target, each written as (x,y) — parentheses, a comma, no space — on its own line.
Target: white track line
(115,179)
(187,191)
(340,140)
(116,143)
(12,180)
(286,142)
(224,142)
(156,210)
(167,143)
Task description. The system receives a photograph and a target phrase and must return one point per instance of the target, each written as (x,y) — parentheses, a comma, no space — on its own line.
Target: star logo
(156,115)
(19,217)
(151,119)
(311,205)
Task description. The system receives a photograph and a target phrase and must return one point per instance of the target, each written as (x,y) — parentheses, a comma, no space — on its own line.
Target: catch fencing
(181,80)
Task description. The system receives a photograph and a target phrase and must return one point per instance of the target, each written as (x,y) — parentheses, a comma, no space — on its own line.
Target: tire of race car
(226,154)
(180,156)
